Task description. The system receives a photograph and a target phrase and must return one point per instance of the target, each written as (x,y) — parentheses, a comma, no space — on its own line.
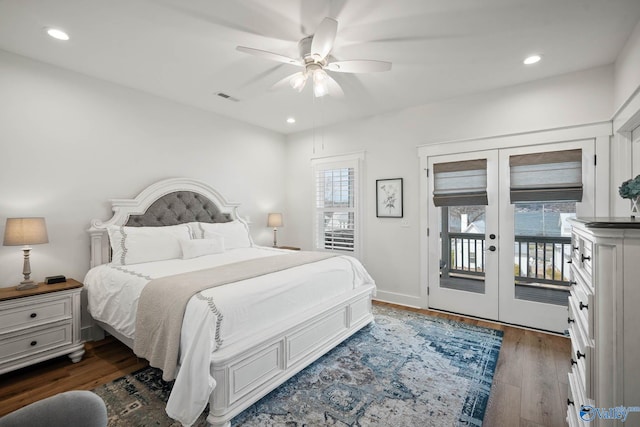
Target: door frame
(600,132)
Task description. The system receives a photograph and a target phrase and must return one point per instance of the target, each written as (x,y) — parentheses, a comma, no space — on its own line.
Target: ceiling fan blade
(334,88)
(359,66)
(269,55)
(324,37)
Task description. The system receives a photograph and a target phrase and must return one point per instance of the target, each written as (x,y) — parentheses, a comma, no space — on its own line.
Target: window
(337,203)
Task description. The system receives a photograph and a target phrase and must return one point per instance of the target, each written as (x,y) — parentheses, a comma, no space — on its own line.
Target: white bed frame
(248,370)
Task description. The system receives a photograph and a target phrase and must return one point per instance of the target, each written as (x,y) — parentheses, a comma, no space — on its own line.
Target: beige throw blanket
(163,302)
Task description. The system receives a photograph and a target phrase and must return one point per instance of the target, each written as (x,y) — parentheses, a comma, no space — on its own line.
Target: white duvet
(247,307)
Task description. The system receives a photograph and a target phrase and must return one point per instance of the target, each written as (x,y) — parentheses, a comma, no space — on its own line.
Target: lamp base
(26,284)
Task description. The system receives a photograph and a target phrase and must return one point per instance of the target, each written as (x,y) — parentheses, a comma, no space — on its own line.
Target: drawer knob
(580,354)
(33,315)
(569,261)
(570,403)
(582,305)
(573,282)
(34,343)
(573,362)
(570,320)
(575,248)
(585,258)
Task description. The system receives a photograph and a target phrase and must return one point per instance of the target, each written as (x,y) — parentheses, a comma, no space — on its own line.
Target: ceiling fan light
(320,84)
(298,81)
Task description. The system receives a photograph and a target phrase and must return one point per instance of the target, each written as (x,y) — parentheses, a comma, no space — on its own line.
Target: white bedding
(247,307)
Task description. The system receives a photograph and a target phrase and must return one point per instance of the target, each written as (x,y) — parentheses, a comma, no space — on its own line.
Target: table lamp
(274,220)
(25,232)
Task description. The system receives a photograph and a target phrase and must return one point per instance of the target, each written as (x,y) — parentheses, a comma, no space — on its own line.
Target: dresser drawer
(36,340)
(29,314)
(581,361)
(575,400)
(582,257)
(581,312)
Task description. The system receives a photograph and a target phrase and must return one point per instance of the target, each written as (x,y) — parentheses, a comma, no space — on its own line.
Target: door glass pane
(462,245)
(542,248)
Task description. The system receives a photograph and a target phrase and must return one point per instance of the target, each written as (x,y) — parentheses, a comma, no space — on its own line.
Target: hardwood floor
(529,386)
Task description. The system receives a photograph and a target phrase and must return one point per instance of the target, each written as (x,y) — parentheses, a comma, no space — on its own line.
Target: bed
(259,316)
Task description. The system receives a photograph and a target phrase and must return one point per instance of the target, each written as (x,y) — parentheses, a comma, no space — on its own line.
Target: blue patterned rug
(406,369)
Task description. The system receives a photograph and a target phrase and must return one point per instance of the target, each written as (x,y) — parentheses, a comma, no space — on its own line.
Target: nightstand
(291,248)
(39,324)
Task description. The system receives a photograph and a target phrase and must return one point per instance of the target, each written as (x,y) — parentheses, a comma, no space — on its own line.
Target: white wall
(627,69)
(391,246)
(624,152)
(70,142)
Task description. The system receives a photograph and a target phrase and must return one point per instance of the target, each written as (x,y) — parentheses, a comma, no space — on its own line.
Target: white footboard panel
(244,374)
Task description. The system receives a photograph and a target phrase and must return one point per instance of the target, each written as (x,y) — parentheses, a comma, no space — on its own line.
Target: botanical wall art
(389,198)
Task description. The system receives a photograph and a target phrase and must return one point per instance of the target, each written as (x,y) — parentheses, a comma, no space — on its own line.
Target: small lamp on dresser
(274,220)
(25,232)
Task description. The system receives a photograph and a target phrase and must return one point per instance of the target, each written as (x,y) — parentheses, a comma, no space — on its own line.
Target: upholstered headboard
(179,207)
(168,202)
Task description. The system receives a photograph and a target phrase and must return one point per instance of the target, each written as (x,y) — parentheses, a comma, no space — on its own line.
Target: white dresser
(604,321)
(39,324)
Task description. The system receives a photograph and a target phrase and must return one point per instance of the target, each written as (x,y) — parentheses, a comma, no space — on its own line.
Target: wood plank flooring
(529,386)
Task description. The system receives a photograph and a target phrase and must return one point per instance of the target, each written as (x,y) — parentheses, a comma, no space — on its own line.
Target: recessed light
(532,59)
(57,34)
(291,120)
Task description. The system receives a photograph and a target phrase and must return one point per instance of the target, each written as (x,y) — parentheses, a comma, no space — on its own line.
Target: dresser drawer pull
(582,305)
(580,355)
(33,315)
(573,362)
(570,320)
(570,403)
(34,343)
(585,258)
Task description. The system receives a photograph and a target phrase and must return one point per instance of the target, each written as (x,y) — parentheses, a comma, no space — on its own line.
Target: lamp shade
(274,220)
(25,231)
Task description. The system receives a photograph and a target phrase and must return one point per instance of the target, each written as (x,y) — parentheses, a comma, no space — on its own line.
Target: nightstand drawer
(25,315)
(37,340)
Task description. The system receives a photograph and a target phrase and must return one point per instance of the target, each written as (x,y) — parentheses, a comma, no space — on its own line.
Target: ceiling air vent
(225,96)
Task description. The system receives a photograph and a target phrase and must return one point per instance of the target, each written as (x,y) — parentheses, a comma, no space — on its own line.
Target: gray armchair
(77,408)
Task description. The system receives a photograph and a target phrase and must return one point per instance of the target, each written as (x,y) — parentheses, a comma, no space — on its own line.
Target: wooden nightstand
(39,324)
(291,248)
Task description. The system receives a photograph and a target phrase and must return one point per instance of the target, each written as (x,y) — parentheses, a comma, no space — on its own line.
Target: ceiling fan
(315,59)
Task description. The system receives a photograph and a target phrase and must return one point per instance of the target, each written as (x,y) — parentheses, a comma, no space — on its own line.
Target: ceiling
(184,50)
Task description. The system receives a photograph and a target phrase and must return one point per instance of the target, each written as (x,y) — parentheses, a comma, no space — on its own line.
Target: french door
(503,256)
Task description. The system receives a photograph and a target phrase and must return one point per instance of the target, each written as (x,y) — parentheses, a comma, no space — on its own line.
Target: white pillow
(235,233)
(133,245)
(199,247)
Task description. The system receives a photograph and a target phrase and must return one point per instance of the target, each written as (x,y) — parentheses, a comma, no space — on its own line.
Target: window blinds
(460,183)
(335,208)
(548,176)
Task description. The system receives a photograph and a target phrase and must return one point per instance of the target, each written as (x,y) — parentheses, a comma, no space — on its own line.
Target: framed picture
(389,198)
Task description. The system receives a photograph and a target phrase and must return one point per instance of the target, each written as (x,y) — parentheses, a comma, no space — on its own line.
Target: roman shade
(548,176)
(460,183)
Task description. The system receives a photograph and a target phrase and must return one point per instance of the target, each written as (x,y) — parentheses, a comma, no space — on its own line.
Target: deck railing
(538,260)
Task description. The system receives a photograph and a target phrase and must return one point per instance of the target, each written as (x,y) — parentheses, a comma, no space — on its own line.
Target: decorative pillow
(200,247)
(133,245)
(235,233)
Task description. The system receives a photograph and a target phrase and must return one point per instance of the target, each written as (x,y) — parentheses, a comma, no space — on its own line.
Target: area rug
(406,369)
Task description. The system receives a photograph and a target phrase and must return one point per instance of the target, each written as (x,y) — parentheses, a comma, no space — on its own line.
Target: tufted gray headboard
(179,207)
(169,202)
